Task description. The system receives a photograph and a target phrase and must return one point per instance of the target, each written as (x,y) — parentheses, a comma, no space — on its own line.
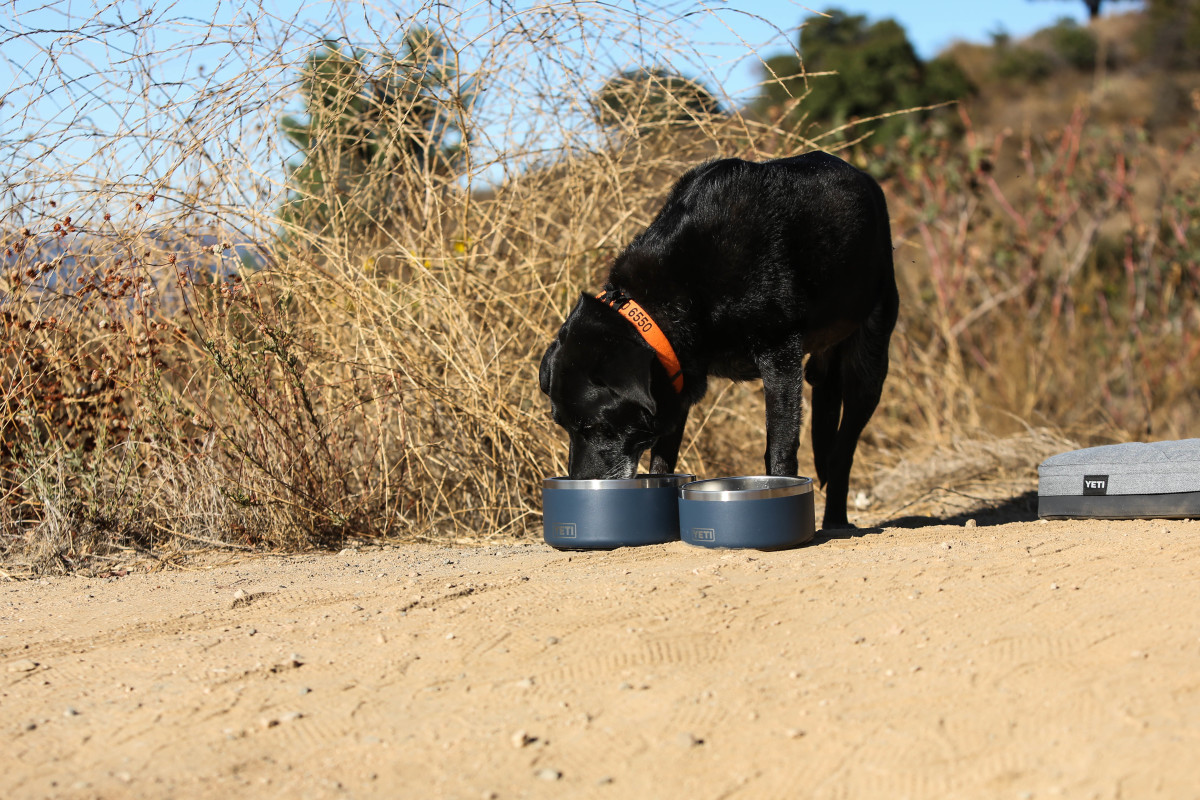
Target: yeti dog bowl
(760,511)
(605,514)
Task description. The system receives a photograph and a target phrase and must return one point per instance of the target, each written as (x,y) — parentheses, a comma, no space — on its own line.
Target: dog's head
(602,384)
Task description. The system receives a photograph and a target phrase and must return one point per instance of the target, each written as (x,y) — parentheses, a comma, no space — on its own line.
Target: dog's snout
(599,460)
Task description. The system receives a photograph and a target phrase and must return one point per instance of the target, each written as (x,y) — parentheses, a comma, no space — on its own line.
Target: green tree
(877,71)
(649,98)
(367,124)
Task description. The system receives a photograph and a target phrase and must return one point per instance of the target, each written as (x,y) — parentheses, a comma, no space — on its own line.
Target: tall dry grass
(182,369)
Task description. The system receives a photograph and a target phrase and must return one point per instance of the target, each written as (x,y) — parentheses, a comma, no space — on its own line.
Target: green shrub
(1022,64)
(1074,45)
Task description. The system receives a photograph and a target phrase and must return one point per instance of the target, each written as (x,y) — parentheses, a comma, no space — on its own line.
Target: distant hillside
(1116,66)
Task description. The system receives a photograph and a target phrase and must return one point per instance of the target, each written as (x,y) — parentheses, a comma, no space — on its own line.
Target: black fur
(748,268)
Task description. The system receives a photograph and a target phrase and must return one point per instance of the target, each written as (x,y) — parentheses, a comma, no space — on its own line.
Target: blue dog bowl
(760,511)
(605,514)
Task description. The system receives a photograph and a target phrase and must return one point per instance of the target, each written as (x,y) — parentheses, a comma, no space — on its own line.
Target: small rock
(291,716)
(552,640)
(945,545)
(522,739)
(71,712)
(22,665)
(547,774)
(525,683)
(268,722)
(687,740)
(794,733)
(305,690)
(1054,586)
(31,726)
(239,595)
(625,686)
(347,551)
(449,635)
(970,523)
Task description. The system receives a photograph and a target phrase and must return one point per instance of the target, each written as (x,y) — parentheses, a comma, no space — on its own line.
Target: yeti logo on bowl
(1095,484)
(565,530)
(704,534)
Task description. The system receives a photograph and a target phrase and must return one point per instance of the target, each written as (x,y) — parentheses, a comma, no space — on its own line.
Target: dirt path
(1018,660)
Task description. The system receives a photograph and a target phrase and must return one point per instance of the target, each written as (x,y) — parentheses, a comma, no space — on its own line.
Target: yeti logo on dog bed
(1095,484)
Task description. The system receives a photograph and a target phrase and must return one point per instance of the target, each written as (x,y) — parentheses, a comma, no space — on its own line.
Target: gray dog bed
(1122,481)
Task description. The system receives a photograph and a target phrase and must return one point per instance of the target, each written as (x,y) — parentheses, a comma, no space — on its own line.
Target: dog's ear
(643,392)
(547,368)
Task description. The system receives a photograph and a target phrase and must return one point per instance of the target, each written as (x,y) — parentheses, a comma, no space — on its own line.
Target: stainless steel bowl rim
(638,482)
(745,487)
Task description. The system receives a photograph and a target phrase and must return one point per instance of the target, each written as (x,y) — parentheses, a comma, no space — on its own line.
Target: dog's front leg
(664,453)
(782,373)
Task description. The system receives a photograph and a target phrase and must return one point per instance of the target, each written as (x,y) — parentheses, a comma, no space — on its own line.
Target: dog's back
(757,251)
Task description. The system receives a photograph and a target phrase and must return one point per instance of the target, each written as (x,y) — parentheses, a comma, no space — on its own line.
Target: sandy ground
(1018,660)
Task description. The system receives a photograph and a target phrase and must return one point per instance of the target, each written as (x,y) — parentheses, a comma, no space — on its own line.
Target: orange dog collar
(646,326)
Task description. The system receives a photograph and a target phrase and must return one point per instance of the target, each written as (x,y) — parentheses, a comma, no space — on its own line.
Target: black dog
(747,268)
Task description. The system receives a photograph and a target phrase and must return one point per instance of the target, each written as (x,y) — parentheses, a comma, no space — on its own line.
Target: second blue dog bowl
(606,514)
(765,512)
